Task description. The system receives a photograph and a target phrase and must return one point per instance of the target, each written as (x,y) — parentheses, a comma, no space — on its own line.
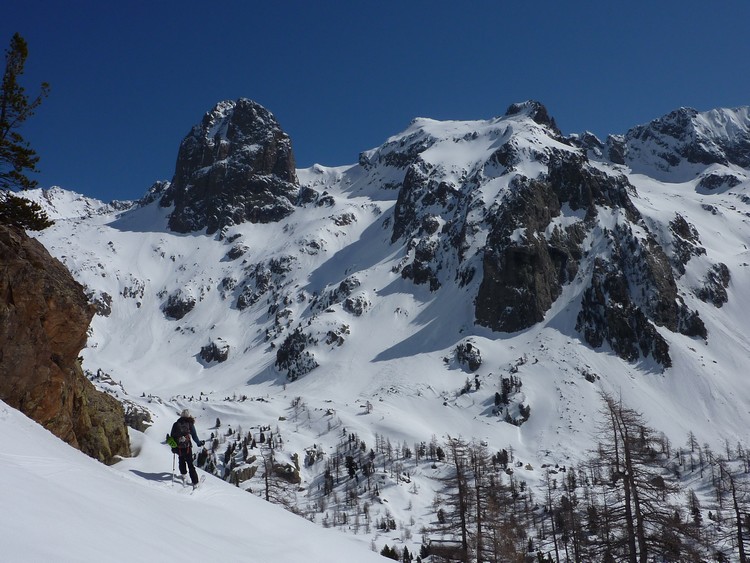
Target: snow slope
(60,505)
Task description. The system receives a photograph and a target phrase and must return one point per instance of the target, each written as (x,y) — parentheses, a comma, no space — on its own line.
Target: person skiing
(182,430)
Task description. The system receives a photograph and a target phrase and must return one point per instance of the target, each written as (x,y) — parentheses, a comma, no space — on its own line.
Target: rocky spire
(235,166)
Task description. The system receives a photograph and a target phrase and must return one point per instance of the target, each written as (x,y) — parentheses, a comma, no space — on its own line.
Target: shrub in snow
(293,357)
(469,355)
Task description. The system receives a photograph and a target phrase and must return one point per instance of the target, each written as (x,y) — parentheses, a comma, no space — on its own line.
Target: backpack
(180,434)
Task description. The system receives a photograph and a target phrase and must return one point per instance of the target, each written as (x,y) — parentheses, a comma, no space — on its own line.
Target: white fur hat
(185,413)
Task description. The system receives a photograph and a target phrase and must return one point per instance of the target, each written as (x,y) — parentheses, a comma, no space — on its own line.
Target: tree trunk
(629,524)
(737,514)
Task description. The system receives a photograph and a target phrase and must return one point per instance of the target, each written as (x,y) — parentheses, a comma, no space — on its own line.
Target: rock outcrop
(468,355)
(523,275)
(720,136)
(236,166)
(536,111)
(216,351)
(714,288)
(44,317)
(179,304)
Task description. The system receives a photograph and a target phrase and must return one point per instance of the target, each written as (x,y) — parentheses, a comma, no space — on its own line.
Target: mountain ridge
(425,180)
(368,292)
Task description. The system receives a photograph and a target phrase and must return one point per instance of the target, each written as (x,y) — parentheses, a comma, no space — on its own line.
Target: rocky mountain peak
(517,250)
(236,165)
(689,140)
(535,111)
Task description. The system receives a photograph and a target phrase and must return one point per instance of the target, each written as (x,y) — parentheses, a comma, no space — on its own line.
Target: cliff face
(237,165)
(44,317)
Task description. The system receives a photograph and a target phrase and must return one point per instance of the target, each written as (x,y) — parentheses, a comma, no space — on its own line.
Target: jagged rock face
(523,273)
(155,192)
(720,136)
(629,295)
(536,111)
(44,317)
(715,181)
(524,267)
(650,282)
(608,314)
(236,166)
(686,243)
(527,240)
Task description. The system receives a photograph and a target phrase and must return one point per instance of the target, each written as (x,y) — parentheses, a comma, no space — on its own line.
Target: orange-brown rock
(44,318)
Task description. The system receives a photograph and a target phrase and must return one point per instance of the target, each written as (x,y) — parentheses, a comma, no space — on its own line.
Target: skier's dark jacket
(182,430)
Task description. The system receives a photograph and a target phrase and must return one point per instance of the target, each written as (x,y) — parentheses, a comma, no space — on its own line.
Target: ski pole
(173,469)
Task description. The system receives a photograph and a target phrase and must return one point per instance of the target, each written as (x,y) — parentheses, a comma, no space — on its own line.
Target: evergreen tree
(15,154)
(390,552)
(19,212)
(17,158)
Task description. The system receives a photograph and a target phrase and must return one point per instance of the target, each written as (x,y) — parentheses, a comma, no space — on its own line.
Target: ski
(189,485)
(198,484)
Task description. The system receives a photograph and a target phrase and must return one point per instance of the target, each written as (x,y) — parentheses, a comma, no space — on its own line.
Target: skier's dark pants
(186,463)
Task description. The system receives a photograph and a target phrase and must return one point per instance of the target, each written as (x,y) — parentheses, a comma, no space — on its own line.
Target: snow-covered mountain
(400,296)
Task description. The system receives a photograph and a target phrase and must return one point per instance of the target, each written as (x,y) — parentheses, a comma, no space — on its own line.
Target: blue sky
(130,79)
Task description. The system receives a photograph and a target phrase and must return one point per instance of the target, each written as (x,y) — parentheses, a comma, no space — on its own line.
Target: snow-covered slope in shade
(60,505)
